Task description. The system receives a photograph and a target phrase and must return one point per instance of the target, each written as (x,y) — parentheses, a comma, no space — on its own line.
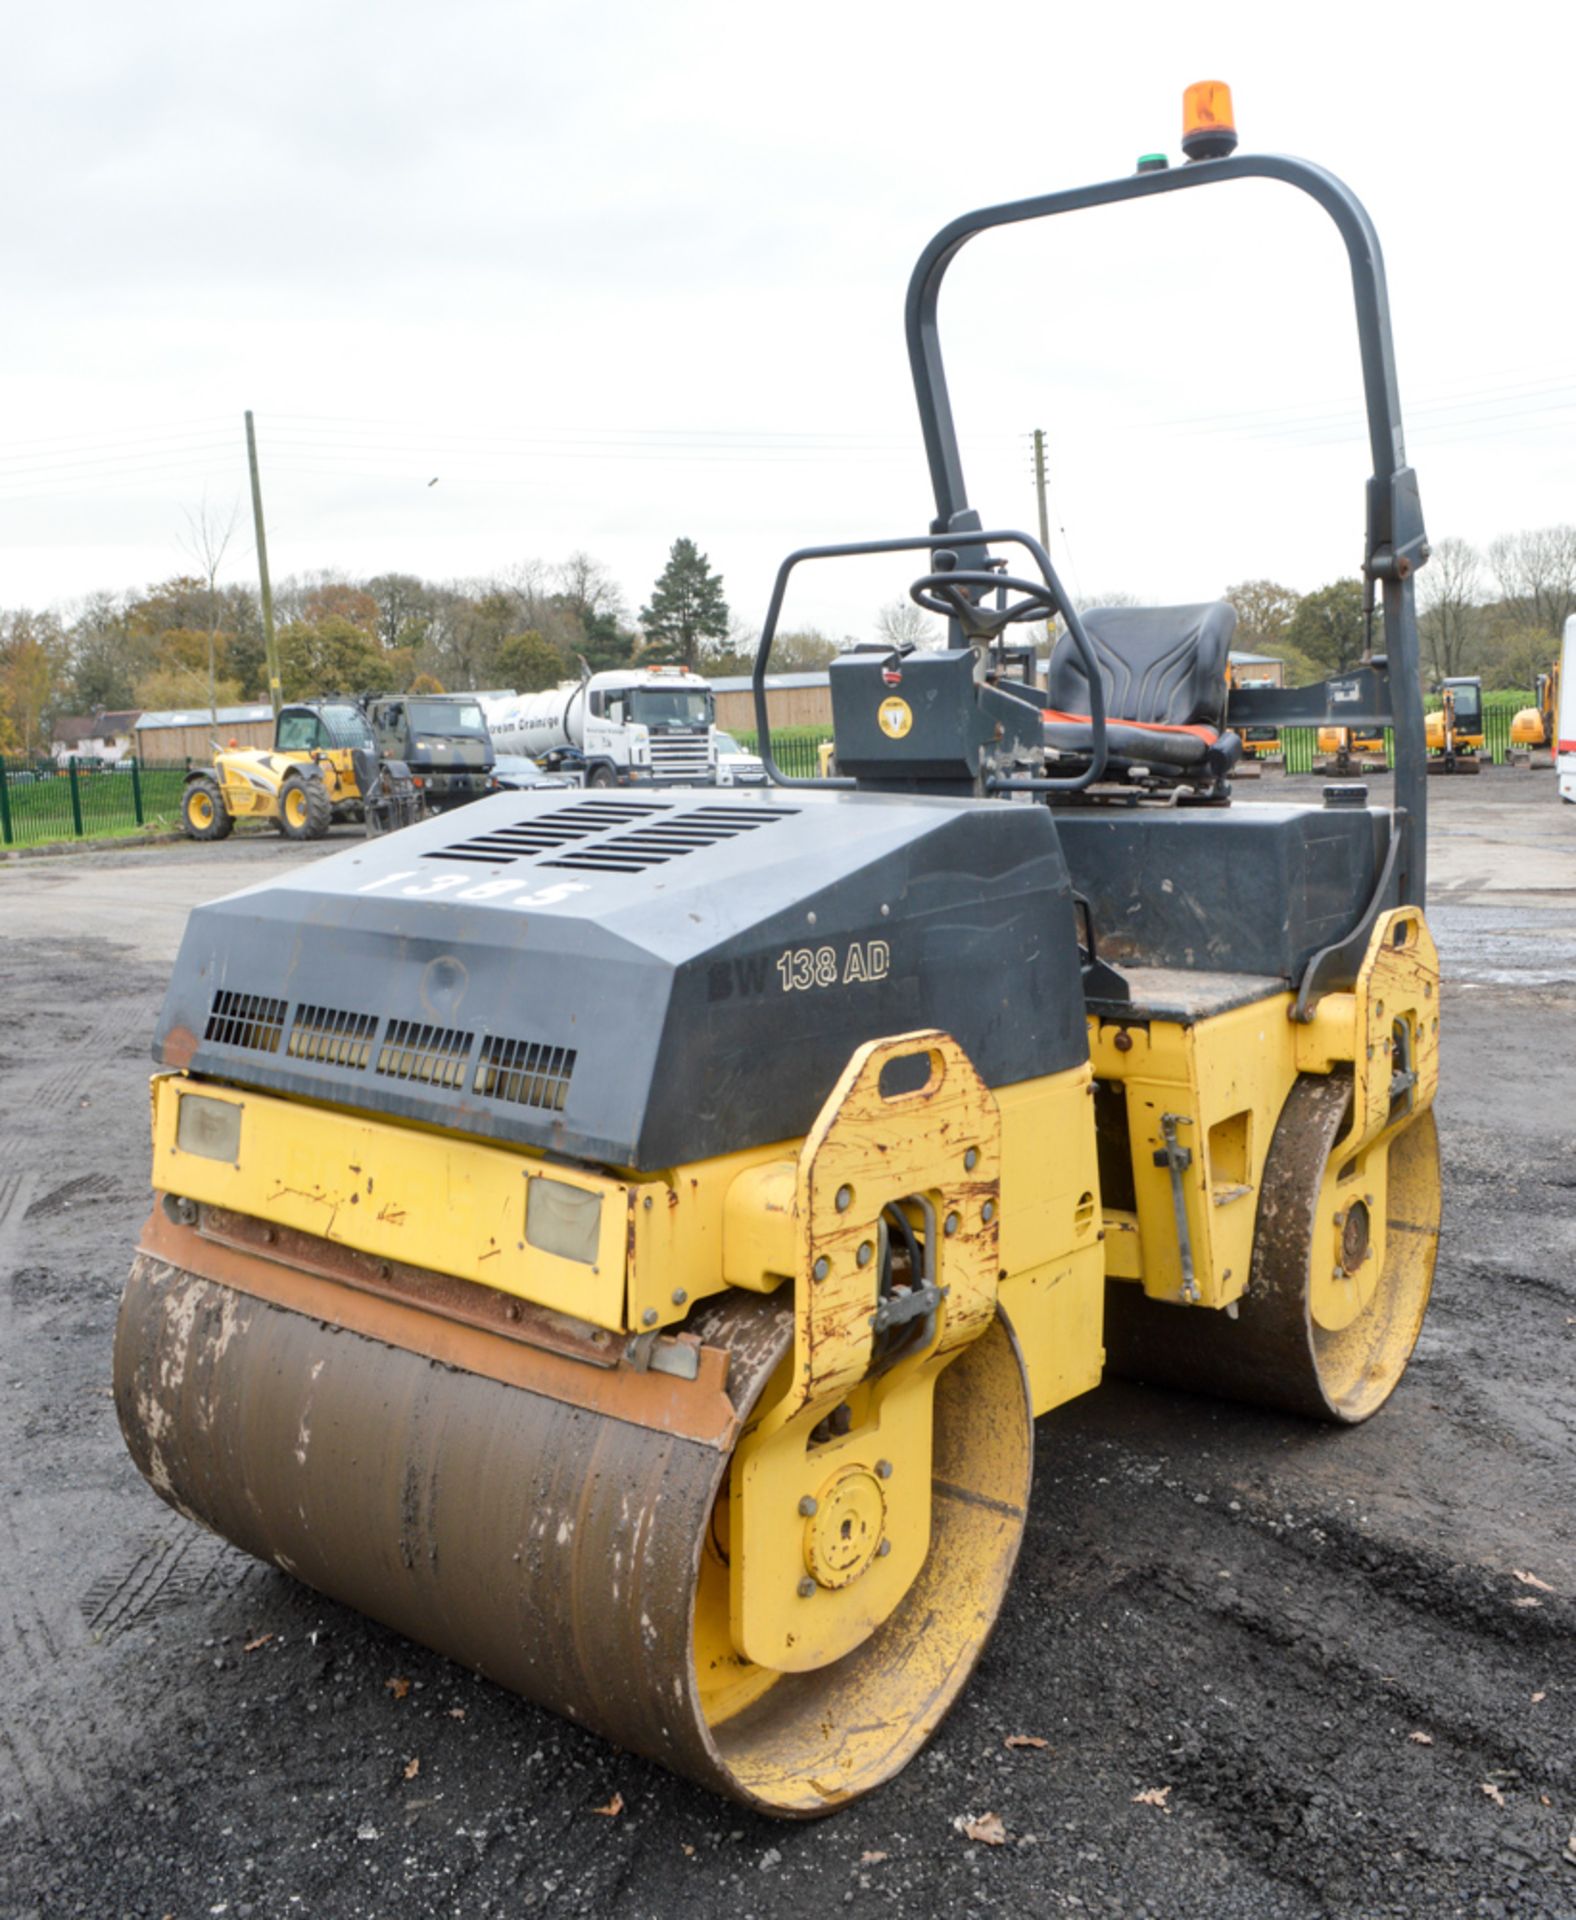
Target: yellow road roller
(623,1242)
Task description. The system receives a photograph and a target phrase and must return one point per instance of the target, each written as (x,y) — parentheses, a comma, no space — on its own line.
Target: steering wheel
(949,589)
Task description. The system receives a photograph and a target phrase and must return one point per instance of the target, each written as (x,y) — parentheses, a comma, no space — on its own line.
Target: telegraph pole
(270,650)
(1045,524)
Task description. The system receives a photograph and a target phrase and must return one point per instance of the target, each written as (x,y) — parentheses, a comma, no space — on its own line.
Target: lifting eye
(907,1073)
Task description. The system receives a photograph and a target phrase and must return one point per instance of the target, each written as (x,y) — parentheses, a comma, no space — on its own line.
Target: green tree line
(190,640)
(1499,614)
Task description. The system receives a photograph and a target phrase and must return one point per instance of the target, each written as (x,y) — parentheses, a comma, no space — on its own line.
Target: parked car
(518,772)
(735,767)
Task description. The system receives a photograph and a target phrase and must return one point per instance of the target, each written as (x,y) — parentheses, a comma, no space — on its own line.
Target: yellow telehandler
(323,766)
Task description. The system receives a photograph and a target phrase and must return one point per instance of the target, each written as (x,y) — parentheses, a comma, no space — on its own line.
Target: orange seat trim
(1207,734)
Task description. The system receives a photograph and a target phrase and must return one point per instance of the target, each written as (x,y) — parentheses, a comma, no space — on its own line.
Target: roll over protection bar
(1396,544)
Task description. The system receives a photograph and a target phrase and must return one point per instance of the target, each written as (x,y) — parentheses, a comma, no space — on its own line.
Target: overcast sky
(613,272)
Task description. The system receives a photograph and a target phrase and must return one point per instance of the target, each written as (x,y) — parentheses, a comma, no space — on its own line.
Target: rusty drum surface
(554,1548)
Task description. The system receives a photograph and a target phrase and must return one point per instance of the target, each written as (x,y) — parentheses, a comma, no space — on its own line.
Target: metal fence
(42,802)
(1300,744)
(795,750)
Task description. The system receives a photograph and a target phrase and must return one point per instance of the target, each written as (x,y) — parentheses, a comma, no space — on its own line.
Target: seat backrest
(1163,666)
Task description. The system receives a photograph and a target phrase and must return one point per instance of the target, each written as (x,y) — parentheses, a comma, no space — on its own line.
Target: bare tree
(589,589)
(900,622)
(404,609)
(208,535)
(531,582)
(1537,574)
(1450,624)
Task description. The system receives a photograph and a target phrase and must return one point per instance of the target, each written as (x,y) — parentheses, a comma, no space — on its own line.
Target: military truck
(441,738)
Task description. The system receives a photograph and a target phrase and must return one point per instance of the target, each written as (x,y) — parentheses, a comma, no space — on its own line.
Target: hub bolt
(988,1212)
(649,1317)
(806,1587)
(866,1253)
(883,1469)
(845,1199)
(971,1160)
(884,1549)
(822,1267)
(950,1225)
(679,1296)
(809,1506)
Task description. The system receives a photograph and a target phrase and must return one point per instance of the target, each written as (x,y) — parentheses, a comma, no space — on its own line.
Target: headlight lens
(562,1219)
(209,1128)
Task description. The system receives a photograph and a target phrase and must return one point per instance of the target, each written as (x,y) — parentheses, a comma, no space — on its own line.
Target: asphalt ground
(1277,1670)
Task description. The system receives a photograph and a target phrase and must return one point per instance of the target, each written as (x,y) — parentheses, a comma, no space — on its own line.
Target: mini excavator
(624,1241)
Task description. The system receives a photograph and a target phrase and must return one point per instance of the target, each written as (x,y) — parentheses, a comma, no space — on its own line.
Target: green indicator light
(1152,163)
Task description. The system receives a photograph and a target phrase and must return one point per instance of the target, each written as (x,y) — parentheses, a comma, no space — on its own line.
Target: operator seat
(1163,670)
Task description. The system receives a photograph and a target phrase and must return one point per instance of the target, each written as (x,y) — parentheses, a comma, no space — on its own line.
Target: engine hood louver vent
(249,1020)
(337,1039)
(434,1055)
(546,833)
(680,833)
(524,1072)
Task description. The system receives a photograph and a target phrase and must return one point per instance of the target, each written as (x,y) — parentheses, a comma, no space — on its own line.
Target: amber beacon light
(1209,127)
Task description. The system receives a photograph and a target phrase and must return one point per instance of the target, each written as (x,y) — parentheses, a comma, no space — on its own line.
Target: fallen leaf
(984,1827)
(1526,1600)
(1023,1740)
(1153,1797)
(456,1713)
(1493,1793)
(1421,1739)
(873,1858)
(262,1640)
(686,1848)
(1532,1580)
(1539,1696)
(613,1809)
(412,1768)
(399,1688)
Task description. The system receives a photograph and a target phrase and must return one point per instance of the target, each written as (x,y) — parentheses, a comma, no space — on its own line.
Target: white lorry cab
(653,726)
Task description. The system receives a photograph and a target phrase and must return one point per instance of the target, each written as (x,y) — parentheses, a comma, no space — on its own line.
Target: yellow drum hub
(199,810)
(1350,1241)
(295,807)
(845,1531)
